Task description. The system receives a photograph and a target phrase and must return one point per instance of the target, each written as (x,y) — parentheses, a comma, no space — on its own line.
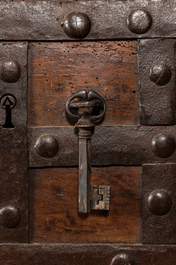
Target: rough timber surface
(58,70)
(40,20)
(54,213)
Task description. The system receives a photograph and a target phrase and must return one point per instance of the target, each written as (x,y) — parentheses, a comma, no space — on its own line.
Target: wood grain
(57,70)
(54,209)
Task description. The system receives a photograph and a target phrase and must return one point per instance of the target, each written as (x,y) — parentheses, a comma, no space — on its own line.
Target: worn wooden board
(57,70)
(54,209)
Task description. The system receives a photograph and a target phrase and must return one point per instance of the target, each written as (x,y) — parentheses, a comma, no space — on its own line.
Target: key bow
(89,96)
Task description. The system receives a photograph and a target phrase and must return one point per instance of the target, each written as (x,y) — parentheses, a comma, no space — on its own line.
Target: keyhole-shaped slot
(8,102)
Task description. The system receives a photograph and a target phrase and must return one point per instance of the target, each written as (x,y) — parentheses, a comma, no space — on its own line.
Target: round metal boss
(121,259)
(47,146)
(139,21)
(160,74)
(159,202)
(10,71)
(76,25)
(163,145)
(9,216)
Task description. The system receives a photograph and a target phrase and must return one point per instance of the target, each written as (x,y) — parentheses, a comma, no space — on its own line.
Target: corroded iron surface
(158,204)
(13,147)
(157,81)
(42,20)
(111,145)
(87,254)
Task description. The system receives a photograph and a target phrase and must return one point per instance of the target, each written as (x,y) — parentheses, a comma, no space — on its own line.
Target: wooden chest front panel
(131,65)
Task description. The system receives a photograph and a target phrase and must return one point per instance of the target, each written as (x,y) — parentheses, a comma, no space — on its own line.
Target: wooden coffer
(87,132)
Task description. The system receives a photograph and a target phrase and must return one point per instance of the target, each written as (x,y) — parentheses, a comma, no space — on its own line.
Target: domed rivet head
(9,216)
(47,146)
(139,21)
(10,71)
(160,74)
(76,25)
(159,202)
(121,259)
(163,145)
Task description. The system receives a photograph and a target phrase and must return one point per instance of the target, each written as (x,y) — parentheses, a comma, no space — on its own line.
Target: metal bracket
(100,197)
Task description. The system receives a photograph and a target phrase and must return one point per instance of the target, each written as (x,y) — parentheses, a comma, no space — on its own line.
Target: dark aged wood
(84,254)
(58,70)
(157,99)
(110,145)
(159,228)
(13,147)
(41,20)
(54,213)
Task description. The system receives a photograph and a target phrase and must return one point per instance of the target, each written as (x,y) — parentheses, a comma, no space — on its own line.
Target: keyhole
(8,121)
(8,102)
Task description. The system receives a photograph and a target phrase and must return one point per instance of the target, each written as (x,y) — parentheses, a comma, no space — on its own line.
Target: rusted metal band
(41,20)
(13,147)
(88,254)
(110,145)
(157,81)
(158,203)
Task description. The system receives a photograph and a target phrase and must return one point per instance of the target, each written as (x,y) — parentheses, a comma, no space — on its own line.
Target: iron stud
(47,146)
(159,202)
(139,21)
(9,216)
(76,25)
(163,145)
(160,74)
(10,71)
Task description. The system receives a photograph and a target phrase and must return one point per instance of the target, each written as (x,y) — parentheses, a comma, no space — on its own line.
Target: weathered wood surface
(85,254)
(58,70)
(40,20)
(54,213)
